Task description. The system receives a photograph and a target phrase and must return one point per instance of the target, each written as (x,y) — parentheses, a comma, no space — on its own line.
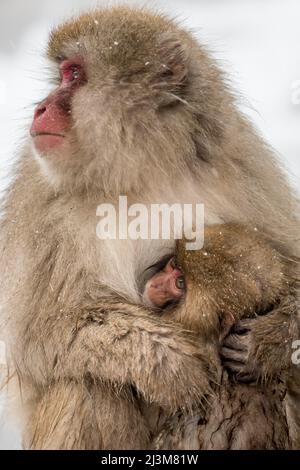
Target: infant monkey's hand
(166,286)
(260,349)
(234,352)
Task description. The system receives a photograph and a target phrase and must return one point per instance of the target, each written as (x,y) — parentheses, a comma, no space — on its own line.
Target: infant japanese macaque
(236,275)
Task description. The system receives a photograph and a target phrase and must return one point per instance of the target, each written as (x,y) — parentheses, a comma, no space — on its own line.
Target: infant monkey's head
(172,276)
(166,286)
(236,274)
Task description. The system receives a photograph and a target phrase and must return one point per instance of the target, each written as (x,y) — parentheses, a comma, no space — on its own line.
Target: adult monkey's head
(136,95)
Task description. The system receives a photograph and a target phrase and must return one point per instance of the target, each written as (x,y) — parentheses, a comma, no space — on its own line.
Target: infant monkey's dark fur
(237,275)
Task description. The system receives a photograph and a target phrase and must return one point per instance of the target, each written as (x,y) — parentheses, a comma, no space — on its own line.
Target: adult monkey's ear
(173,56)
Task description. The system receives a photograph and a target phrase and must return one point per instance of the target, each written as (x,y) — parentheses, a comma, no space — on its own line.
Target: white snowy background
(256,41)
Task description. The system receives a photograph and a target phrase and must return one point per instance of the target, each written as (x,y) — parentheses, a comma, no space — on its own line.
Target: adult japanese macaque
(236,275)
(139,109)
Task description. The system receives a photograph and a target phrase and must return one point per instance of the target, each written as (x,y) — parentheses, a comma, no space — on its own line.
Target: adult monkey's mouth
(37,134)
(46,141)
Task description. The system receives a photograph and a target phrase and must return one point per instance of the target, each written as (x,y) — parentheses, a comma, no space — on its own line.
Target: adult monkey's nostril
(39,110)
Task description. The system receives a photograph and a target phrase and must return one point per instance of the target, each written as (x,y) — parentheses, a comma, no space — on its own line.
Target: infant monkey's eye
(180,283)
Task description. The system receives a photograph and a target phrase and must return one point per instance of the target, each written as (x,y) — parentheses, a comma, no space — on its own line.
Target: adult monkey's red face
(52,117)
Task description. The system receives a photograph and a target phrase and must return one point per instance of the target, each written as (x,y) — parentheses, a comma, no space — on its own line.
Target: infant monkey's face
(167,285)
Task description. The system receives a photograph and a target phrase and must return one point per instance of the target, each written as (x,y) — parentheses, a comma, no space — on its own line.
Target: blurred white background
(256,41)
